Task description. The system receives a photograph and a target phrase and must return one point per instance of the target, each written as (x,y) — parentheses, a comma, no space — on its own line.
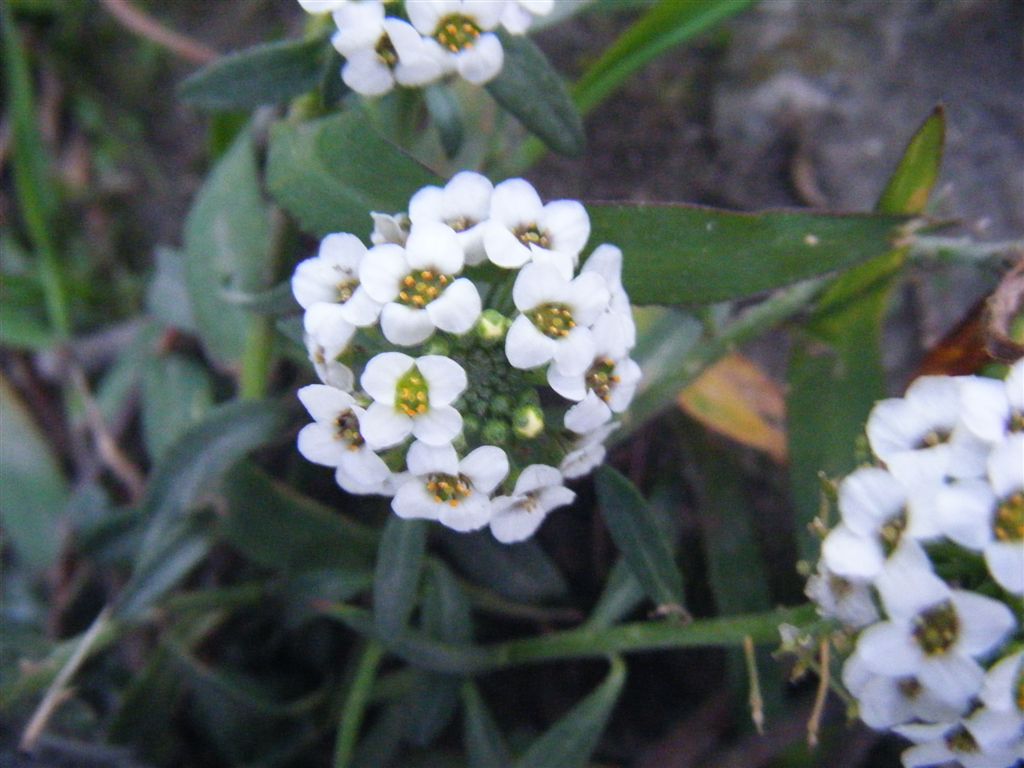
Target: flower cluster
(925,569)
(490,365)
(417,42)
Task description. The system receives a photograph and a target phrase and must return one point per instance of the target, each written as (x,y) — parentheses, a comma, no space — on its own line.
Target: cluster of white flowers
(925,569)
(515,361)
(417,42)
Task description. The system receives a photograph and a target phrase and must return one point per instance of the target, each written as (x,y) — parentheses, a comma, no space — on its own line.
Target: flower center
(933,438)
(462,223)
(345,289)
(890,534)
(839,587)
(448,489)
(1009,522)
(959,740)
(412,393)
(530,234)
(553,320)
(422,287)
(386,52)
(457,32)
(1016,421)
(937,629)
(346,429)
(601,378)
(910,687)
(1019,690)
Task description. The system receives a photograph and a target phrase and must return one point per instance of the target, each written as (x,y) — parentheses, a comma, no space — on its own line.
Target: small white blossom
(990,409)
(836,597)
(587,452)
(332,277)
(411,397)
(522,229)
(456,493)
(518,15)
(390,228)
(940,743)
(458,32)
(538,491)
(463,204)
(418,286)
(325,361)
(606,260)
(322,6)
(999,723)
(557,315)
(334,440)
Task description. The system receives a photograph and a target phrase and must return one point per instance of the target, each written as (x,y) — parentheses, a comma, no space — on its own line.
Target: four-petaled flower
(538,490)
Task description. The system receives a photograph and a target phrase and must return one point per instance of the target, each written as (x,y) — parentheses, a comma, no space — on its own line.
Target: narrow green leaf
(665,25)
(446,609)
(397,579)
(356,699)
(176,393)
(278,301)
(911,183)
(227,246)
(444,111)
(167,297)
(330,173)
(485,746)
(678,254)
(190,467)
(34,490)
(570,742)
(533,92)
(520,572)
(264,74)
(276,527)
(635,532)
(622,595)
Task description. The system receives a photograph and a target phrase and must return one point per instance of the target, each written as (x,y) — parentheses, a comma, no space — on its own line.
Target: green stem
(257,358)
(355,703)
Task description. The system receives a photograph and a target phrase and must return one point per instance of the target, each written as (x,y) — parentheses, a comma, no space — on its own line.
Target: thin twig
(146,26)
(57,693)
(824,678)
(755,699)
(110,452)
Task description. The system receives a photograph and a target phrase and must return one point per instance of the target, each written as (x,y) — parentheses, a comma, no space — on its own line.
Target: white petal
(360,309)
(525,346)
(318,444)
(413,502)
(629,374)
(366,74)
(563,261)
(432,245)
(951,678)
(404,325)
(382,271)
(1006,466)
(425,15)
(535,477)
(424,459)
(456,310)
(588,414)
(984,622)
(889,649)
(312,282)
(359,27)
(568,225)
(467,195)
(588,296)
(907,584)
(517,524)
(881,705)
(381,375)
(426,205)
(606,260)
(570,387)
(438,426)
(486,467)
(327,326)
(538,284)
(964,512)
(1005,561)
(1015,386)
(554,497)
(483,61)
(999,689)
(515,202)
(868,497)
(984,407)
(445,378)
(485,13)
(503,248)
(325,403)
(851,555)
(516,20)
(930,754)
(321,6)
(362,472)
(382,426)
(575,352)
(470,514)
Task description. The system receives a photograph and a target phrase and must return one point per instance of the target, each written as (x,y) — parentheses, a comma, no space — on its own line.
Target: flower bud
(528,422)
(437,346)
(492,326)
(495,432)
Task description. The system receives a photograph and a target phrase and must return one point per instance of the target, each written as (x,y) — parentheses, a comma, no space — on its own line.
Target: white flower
(538,490)
(463,204)
(327,333)
(934,633)
(457,493)
(999,723)
(989,408)
(916,435)
(411,397)
(522,229)
(418,286)
(334,440)
(458,32)
(606,260)
(836,597)
(325,361)
(332,277)
(389,228)
(941,743)
(322,6)
(883,702)
(587,452)
(519,14)
(876,515)
(557,314)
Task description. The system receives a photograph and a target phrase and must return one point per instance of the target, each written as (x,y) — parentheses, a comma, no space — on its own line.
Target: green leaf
(635,532)
(622,595)
(520,572)
(176,393)
(533,92)
(911,183)
(167,297)
(274,526)
(264,74)
(667,24)
(485,746)
(570,742)
(678,254)
(444,111)
(330,173)
(278,301)
(34,489)
(355,703)
(397,579)
(446,609)
(171,545)
(227,246)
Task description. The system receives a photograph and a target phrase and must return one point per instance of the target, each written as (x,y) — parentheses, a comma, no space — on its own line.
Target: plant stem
(256,358)
(355,703)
